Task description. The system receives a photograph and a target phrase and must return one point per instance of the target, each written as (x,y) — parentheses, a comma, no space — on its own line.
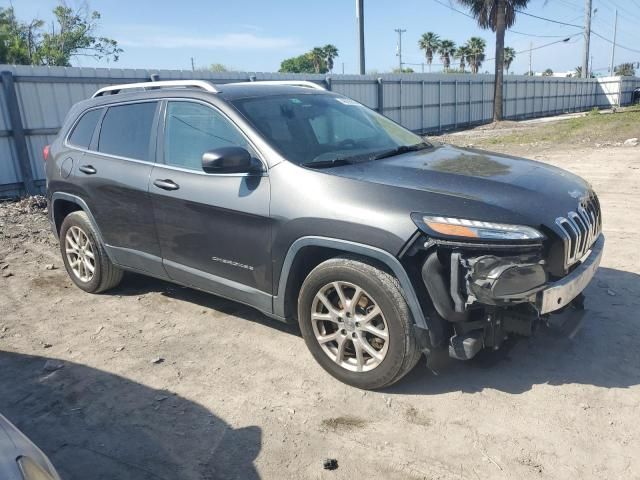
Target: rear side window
(83,131)
(126,130)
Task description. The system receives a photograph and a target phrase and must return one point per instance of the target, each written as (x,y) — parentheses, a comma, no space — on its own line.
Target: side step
(465,347)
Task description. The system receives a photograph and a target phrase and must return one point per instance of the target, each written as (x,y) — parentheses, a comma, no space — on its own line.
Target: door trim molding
(220,286)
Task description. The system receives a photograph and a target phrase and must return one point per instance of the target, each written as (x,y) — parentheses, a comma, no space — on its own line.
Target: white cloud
(147,38)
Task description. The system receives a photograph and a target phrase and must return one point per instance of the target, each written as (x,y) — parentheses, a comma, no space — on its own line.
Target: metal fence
(35,100)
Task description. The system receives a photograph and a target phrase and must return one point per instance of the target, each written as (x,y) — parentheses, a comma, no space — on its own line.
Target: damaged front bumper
(485,296)
(559,294)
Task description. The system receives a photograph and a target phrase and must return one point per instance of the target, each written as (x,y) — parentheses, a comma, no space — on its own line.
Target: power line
(510,30)
(578,26)
(549,19)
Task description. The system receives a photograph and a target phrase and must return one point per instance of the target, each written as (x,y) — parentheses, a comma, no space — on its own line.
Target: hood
(468,179)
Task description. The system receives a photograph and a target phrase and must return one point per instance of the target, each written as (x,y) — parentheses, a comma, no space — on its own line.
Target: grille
(580,229)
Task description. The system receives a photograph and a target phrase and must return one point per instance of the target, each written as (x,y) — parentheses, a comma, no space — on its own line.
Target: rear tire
(357,324)
(84,256)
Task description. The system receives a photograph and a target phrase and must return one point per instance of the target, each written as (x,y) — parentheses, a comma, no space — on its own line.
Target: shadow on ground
(134,284)
(605,351)
(99,426)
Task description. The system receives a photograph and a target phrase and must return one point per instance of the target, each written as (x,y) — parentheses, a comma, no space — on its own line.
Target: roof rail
(113,89)
(293,83)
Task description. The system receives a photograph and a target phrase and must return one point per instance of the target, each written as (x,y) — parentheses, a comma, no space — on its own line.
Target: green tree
(300,64)
(72,34)
(461,54)
(217,67)
(317,59)
(475,53)
(430,43)
(509,57)
(498,15)
(447,50)
(547,73)
(624,70)
(330,53)
(404,70)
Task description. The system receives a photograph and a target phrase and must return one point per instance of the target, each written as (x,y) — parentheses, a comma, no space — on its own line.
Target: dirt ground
(155,381)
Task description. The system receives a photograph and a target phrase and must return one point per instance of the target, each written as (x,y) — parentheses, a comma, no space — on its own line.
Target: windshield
(310,128)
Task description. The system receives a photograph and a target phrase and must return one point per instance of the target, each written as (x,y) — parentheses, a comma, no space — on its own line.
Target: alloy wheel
(349,326)
(80,254)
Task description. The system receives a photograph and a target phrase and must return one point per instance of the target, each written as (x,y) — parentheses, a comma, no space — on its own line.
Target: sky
(251,35)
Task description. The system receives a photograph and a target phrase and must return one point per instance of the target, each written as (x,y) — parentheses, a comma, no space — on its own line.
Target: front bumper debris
(559,294)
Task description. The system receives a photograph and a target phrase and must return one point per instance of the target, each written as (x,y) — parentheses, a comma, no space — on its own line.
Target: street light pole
(613,47)
(400,31)
(587,38)
(360,21)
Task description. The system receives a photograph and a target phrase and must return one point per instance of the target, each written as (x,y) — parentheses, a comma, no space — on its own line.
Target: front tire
(84,256)
(357,324)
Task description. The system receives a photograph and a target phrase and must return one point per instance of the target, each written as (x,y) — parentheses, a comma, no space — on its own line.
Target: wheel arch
(62,204)
(308,252)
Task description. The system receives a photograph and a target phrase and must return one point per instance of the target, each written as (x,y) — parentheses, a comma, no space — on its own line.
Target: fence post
(439,106)
(469,102)
(455,105)
(400,88)
(17,132)
(380,96)
(422,109)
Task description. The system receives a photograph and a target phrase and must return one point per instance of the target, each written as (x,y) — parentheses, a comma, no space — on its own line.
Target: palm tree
(578,71)
(625,70)
(498,15)
(462,52)
(430,43)
(475,53)
(330,52)
(446,49)
(509,57)
(317,58)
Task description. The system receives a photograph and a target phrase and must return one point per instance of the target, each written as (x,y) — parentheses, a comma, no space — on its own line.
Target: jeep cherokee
(311,207)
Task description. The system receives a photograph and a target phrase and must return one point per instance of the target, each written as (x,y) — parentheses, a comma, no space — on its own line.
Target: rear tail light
(45,152)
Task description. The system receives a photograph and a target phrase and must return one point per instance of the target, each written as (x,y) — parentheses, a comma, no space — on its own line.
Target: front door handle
(88,169)
(166,184)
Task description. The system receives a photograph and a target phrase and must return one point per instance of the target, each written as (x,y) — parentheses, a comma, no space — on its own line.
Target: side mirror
(227,160)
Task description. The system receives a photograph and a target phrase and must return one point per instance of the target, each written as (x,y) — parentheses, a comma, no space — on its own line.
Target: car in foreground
(20,459)
(313,208)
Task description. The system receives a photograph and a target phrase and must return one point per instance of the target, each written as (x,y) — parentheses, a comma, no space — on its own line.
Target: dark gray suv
(311,207)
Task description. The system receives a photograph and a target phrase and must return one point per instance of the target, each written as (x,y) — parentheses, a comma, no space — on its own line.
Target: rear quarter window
(126,130)
(83,130)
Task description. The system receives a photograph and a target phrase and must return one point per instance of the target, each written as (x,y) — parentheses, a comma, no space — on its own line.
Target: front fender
(349,247)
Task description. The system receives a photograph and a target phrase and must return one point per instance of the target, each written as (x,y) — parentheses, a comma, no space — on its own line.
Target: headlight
(477,229)
(30,470)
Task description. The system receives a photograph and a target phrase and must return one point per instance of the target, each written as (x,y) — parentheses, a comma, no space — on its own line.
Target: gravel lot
(155,381)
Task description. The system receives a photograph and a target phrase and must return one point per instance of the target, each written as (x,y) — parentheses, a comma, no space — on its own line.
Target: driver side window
(191,129)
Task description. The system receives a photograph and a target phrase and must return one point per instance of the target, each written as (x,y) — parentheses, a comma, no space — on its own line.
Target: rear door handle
(88,169)
(166,184)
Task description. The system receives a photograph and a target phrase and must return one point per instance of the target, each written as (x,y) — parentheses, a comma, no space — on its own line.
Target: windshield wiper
(336,162)
(399,151)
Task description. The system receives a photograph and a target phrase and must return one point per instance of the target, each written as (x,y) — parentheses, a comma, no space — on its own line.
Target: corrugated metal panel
(421,102)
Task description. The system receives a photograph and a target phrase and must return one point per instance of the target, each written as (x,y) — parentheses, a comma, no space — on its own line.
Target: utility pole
(343,68)
(587,38)
(360,21)
(193,65)
(399,31)
(613,47)
(530,58)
